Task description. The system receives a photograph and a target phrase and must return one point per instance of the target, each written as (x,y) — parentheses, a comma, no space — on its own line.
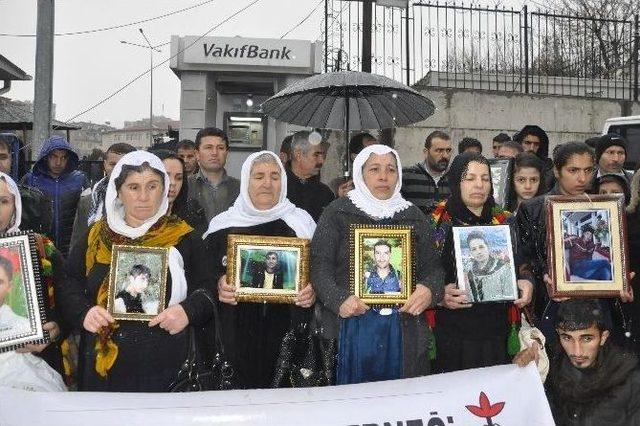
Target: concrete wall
(484,114)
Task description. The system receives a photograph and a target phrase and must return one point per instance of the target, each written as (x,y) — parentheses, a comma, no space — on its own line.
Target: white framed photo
(484,263)
(23,296)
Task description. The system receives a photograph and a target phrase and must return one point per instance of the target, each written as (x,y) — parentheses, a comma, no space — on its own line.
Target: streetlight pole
(151,49)
(151,84)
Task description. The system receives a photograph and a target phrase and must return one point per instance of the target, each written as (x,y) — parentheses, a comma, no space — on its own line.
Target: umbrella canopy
(374,102)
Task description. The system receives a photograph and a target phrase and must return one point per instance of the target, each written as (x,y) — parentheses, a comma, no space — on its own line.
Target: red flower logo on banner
(486,409)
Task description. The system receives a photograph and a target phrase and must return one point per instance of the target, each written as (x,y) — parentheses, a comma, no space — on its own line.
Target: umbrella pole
(347,163)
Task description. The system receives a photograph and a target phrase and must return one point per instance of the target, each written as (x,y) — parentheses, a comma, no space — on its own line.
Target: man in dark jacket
(534,139)
(268,274)
(611,154)
(91,205)
(591,382)
(55,173)
(304,189)
(426,183)
(34,216)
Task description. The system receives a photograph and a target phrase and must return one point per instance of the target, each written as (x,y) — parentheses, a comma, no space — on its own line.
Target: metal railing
(490,48)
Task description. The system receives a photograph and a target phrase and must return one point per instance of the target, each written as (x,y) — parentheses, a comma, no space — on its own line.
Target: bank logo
(486,409)
(247,51)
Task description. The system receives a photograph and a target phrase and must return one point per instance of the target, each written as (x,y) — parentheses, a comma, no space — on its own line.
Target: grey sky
(89,67)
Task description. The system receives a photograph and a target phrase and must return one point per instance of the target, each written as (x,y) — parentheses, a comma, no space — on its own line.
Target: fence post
(636,52)
(526,48)
(326,35)
(407,47)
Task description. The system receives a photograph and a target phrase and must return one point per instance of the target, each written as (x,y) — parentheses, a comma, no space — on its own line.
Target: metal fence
(491,48)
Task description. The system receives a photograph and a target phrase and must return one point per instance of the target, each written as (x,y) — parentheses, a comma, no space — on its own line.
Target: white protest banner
(505,395)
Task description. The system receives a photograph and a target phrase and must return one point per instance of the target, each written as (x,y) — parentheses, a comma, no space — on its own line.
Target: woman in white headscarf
(36,374)
(374,344)
(252,333)
(134,355)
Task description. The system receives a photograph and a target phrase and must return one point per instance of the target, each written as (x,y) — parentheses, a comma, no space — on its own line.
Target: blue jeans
(599,269)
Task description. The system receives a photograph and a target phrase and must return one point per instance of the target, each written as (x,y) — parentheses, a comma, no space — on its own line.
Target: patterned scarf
(166,232)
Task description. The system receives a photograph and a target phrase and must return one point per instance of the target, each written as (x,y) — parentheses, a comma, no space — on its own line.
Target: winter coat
(149,357)
(531,231)
(35,214)
(606,394)
(63,191)
(330,273)
(542,153)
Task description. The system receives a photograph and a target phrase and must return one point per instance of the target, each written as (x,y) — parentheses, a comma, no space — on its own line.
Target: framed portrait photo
(267,269)
(501,169)
(381,263)
(586,245)
(137,282)
(484,263)
(22,294)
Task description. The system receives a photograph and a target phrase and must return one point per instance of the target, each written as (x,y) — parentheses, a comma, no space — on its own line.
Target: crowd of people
(187,202)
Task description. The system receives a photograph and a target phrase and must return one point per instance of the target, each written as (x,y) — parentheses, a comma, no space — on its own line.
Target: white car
(628,128)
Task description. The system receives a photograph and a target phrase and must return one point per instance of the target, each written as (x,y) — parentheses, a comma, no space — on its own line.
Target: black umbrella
(374,102)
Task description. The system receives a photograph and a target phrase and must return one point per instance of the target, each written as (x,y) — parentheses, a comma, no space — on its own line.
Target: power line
(138,77)
(303,20)
(114,27)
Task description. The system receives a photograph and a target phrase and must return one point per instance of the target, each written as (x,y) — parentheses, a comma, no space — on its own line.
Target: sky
(89,67)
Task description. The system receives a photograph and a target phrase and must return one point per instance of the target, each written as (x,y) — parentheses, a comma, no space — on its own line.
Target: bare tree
(584,38)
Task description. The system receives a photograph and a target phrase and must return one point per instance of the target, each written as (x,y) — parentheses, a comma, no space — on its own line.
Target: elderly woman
(132,355)
(252,333)
(51,271)
(470,335)
(374,344)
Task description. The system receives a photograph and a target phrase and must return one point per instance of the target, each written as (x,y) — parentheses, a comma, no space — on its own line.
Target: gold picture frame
(130,265)
(395,249)
(570,219)
(251,257)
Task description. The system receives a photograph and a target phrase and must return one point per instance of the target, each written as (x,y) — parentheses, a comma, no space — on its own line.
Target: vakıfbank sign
(247,51)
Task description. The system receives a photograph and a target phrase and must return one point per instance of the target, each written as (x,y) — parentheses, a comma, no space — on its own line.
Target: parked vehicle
(628,128)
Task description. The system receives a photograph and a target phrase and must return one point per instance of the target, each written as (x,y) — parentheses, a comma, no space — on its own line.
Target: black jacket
(257,280)
(310,195)
(148,357)
(531,234)
(36,215)
(606,394)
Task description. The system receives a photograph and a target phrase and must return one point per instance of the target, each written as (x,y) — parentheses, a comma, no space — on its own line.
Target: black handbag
(306,359)
(196,374)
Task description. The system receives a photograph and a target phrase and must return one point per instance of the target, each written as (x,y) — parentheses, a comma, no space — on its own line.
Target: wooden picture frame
(577,267)
(501,171)
(394,246)
(485,263)
(267,269)
(137,282)
(23,296)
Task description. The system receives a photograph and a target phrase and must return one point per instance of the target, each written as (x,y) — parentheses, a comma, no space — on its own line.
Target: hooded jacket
(605,394)
(542,153)
(63,191)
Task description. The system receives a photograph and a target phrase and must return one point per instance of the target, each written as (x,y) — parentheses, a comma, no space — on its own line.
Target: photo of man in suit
(267,274)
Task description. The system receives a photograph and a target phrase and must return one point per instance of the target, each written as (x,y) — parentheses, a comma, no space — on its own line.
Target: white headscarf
(115,218)
(363,199)
(113,205)
(14,226)
(243,213)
